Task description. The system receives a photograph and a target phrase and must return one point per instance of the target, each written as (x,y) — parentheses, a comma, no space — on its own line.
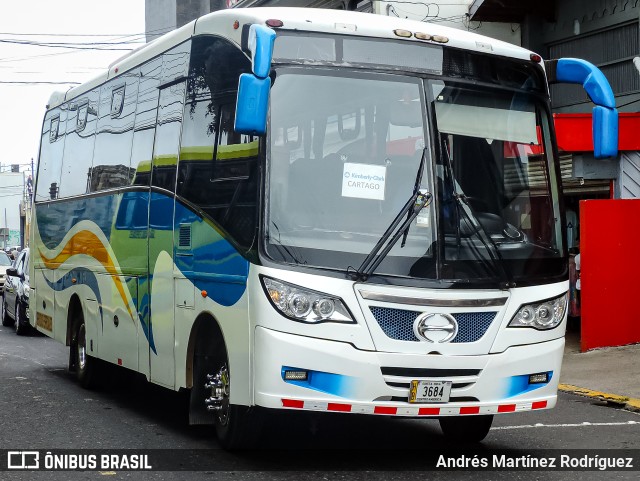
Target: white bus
(304,209)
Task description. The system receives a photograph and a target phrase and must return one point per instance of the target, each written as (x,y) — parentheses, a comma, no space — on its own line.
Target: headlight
(541,315)
(305,305)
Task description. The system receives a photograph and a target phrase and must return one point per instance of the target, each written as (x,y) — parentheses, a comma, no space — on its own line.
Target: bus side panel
(211,274)
(42,303)
(235,329)
(118,324)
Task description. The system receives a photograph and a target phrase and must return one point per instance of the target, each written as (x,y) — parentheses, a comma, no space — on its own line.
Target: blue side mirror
(605,132)
(252,103)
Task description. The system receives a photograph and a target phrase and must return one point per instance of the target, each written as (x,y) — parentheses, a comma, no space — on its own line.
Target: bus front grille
(398,324)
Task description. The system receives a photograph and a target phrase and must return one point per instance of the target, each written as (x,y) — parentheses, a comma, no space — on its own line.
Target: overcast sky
(22,105)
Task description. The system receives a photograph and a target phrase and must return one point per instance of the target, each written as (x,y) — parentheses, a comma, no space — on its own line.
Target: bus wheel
(472,429)
(85,365)
(237,427)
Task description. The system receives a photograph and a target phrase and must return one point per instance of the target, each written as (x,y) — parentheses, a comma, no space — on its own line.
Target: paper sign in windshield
(364,181)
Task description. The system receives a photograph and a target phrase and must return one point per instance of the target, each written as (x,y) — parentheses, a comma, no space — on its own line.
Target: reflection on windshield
(344,155)
(494,181)
(344,150)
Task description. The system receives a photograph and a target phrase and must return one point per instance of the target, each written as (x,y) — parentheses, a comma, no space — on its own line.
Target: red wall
(610,272)
(574,132)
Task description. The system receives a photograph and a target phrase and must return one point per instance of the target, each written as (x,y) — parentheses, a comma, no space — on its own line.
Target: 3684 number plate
(429,391)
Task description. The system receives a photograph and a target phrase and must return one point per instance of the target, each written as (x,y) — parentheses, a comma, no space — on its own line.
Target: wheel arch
(74,312)
(205,328)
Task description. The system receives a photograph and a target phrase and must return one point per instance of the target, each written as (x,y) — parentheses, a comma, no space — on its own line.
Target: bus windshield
(344,153)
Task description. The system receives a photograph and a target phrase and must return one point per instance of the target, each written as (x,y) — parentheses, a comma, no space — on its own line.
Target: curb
(630,404)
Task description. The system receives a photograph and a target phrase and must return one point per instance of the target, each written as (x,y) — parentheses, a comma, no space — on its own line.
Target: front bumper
(345,379)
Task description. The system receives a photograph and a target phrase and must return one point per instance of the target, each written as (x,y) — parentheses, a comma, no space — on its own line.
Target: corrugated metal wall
(612,50)
(629,180)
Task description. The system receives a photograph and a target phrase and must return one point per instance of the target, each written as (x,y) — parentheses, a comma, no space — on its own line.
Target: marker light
(440,38)
(305,305)
(402,33)
(535,58)
(422,36)
(542,315)
(274,23)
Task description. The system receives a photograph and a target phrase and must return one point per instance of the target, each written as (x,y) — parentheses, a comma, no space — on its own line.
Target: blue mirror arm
(578,71)
(260,41)
(596,85)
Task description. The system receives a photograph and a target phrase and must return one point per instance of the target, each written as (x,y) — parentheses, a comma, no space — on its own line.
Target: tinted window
(167,140)
(115,133)
(51,149)
(218,169)
(145,123)
(78,152)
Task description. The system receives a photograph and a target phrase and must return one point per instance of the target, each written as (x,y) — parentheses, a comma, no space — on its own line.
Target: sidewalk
(611,374)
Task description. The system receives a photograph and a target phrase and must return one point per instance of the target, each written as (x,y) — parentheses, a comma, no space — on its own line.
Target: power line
(65,45)
(36,82)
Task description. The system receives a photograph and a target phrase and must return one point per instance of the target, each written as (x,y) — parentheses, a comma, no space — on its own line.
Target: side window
(78,152)
(20,264)
(175,65)
(218,169)
(145,121)
(51,149)
(112,154)
(167,141)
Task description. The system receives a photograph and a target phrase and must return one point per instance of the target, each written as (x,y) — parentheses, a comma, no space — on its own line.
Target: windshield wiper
(418,201)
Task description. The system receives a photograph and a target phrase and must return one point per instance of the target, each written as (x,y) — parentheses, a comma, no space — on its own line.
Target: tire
(22,329)
(6,320)
(86,366)
(471,429)
(237,427)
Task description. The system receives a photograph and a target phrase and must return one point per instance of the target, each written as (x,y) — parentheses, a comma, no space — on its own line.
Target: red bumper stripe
(419,411)
(344,408)
(292,403)
(506,408)
(384,410)
(470,410)
(539,405)
(428,411)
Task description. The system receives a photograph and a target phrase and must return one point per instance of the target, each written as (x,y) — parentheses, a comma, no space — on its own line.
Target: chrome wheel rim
(82,349)
(223,413)
(17,318)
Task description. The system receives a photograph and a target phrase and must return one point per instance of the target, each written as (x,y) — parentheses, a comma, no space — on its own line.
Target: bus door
(160,234)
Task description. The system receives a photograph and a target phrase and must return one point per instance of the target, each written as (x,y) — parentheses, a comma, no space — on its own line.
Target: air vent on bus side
(184,236)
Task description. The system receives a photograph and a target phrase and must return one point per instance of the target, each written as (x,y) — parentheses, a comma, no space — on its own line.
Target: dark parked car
(15,299)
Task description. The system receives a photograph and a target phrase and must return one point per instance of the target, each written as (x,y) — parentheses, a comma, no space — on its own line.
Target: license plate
(429,391)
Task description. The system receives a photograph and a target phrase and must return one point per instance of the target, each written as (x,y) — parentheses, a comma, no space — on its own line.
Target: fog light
(295,375)
(539,378)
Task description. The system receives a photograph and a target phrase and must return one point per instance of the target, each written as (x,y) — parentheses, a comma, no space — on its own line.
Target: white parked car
(14,308)
(5,262)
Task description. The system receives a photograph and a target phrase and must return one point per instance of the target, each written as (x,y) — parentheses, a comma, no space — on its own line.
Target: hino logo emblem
(435,327)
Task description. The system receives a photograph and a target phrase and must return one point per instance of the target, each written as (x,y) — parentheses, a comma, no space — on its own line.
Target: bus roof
(301,19)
